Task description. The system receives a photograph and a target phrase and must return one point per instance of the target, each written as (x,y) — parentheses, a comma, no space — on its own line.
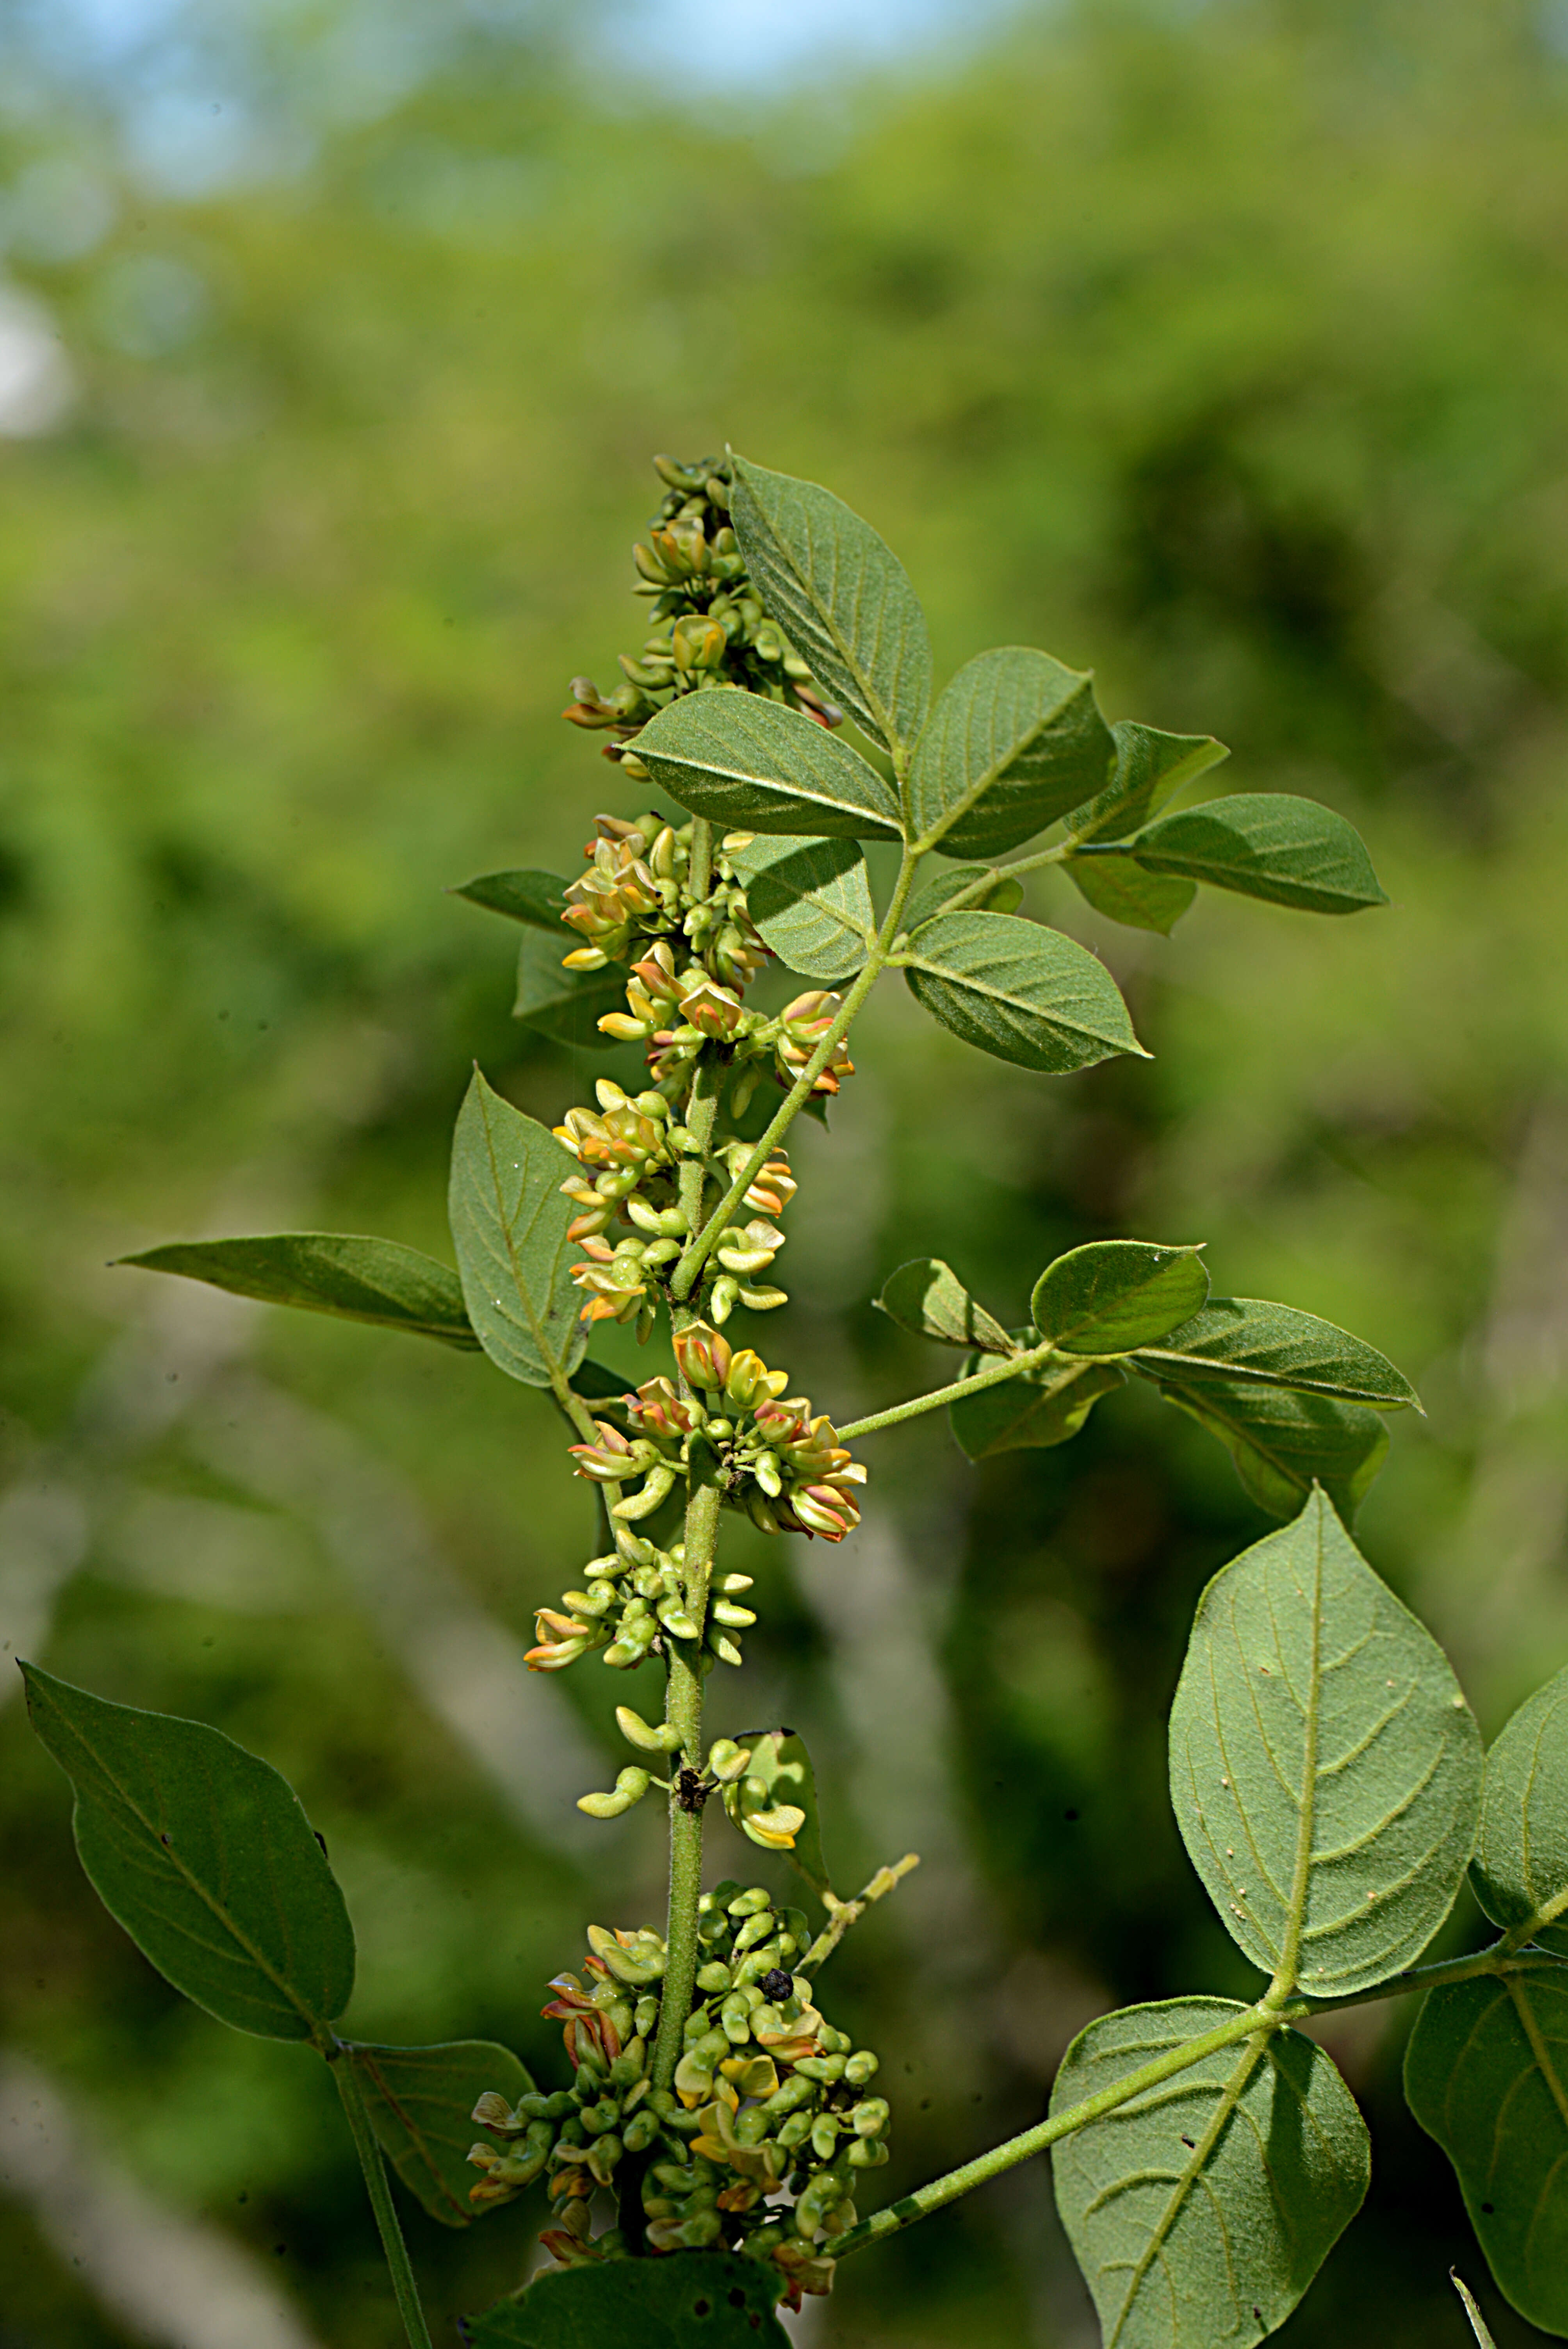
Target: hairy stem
(405,2290)
(995,1375)
(683,1710)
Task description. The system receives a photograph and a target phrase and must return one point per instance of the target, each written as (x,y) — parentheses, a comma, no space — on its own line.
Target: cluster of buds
(636,892)
(759,2148)
(633,1603)
(676,1012)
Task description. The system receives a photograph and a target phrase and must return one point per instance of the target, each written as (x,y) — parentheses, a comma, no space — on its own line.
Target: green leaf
(750,764)
(1150,768)
(1247,1339)
(1041,1407)
(780,1772)
(1201,2210)
(203,1853)
(536,898)
(1020,992)
(1486,2074)
(564,1005)
(811,901)
(1266,844)
(509,1226)
(1014,741)
(1479,2325)
(1520,1873)
(421,2104)
(1283,1443)
(842,597)
(926,1296)
(1324,1767)
(1002,894)
(1113,1295)
(379,1281)
(1121,891)
(685,2300)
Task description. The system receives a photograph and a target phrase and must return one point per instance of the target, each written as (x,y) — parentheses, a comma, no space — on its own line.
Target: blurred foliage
(1225,347)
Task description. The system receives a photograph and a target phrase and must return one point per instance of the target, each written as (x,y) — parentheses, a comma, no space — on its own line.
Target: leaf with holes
(1281,1444)
(203,1853)
(508,1227)
(927,1298)
(422,2104)
(1019,992)
(1266,844)
(840,595)
(1324,1767)
(686,2299)
(1486,2074)
(811,901)
(1043,1406)
(539,899)
(1110,1295)
(1201,2209)
(352,1278)
(1013,742)
(751,765)
(564,1005)
(1150,768)
(1252,1342)
(1121,891)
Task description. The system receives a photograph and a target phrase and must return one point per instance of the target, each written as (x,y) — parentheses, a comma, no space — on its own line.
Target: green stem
(683,1710)
(701,1115)
(699,872)
(405,2290)
(1007,1366)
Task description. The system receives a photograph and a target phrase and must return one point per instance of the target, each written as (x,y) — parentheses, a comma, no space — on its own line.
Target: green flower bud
(630,1785)
(713,1978)
(640,2131)
(637,1731)
(860,2068)
(726,1760)
(868,2153)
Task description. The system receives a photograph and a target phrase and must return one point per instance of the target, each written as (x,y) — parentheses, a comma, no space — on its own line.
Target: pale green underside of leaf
(750,764)
(1110,1295)
(1520,1867)
(778,1757)
(203,1853)
(1201,2210)
(1486,2074)
(508,1227)
(1252,1341)
(1019,992)
(1283,1443)
(927,1298)
(536,898)
(685,2300)
(564,1005)
(1268,845)
(1121,891)
(1002,894)
(1150,768)
(1324,1767)
(340,1273)
(1021,1415)
(811,901)
(1014,741)
(421,2102)
(842,597)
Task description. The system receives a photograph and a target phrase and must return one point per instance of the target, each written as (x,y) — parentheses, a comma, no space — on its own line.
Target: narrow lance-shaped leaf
(1201,2210)
(842,597)
(685,2300)
(422,2104)
(1150,768)
(1019,992)
(1121,891)
(1267,844)
(564,1005)
(1325,1766)
(508,1227)
(811,901)
(1282,1444)
(1520,1873)
(537,898)
(1113,1295)
(1250,1341)
(774,1801)
(1013,742)
(1041,1407)
(927,1298)
(340,1273)
(1479,2325)
(1486,2074)
(203,1853)
(751,765)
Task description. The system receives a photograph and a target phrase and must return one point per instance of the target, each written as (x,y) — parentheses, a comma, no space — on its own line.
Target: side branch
(1007,1366)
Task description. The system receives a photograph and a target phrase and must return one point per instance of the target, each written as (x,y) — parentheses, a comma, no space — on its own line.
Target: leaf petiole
(405,2290)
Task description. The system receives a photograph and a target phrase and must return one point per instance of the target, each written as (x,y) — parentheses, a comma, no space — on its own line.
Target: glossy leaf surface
(1324,1767)
(352,1278)
(1150,768)
(686,2300)
(751,765)
(203,1853)
(422,2103)
(564,1005)
(1283,1443)
(1019,992)
(1249,1339)
(927,1298)
(811,901)
(509,1226)
(842,597)
(1266,844)
(537,898)
(1037,1408)
(1123,891)
(1111,1295)
(1520,1873)
(1013,742)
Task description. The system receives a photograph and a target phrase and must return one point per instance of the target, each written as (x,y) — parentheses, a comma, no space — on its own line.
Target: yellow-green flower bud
(630,1785)
(664,1739)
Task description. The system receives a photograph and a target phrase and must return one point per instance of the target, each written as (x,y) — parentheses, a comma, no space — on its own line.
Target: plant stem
(683,1710)
(405,2290)
(995,1375)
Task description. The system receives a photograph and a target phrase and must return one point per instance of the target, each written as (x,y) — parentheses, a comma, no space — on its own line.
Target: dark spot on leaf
(1069,1815)
(1186,2141)
(1258,2314)
(163,1839)
(754,2322)
(322,1841)
(736,2298)
(702,2308)
(1489,2208)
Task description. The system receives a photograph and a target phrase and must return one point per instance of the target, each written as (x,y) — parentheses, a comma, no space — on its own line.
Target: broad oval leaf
(1041,1407)
(564,1005)
(1150,768)
(927,1298)
(1121,891)
(203,1853)
(1282,1444)
(685,2300)
(1000,894)
(1266,844)
(1019,991)
(508,1227)
(751,765)
(1013,742)
(422,2104)
(356,1280)
(781,1767)
(1201,2209)
(1486,2074)
(537,898)
(1520,1873)
(1113,1295)
(1324,1767)
(840,595)
(1249,1339)
(811,901)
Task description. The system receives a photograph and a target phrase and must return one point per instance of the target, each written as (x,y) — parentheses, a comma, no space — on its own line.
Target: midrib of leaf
(998,995)
(1247,1373)
(825,612)
(1234,2088)
(416,2135)
(1538,2047)
(962,805)
(547,1352)
(1285,1978)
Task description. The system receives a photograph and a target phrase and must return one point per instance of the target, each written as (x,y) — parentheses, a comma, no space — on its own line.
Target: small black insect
(776,1984)
(692,1789)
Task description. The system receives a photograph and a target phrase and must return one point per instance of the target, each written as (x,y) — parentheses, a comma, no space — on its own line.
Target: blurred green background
(1222,346)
